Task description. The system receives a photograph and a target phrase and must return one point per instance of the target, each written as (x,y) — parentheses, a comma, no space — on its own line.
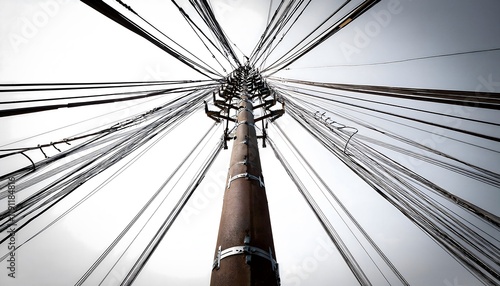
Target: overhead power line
(121,19)
(39,108)
(489,100)
(207,15)
(333,29)
(401,60)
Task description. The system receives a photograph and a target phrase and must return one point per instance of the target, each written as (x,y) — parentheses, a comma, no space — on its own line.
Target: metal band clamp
(247,176)
(244,162)
(244,249)
(244,122)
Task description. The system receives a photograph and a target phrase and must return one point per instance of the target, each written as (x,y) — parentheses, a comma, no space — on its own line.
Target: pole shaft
(245,214)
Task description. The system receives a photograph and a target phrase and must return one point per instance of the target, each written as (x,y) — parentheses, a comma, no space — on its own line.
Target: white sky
(57,41)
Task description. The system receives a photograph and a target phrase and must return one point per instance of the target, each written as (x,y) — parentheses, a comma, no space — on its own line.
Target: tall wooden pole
(245,250)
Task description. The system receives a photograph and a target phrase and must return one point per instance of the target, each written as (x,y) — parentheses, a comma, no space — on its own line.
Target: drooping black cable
(72,124)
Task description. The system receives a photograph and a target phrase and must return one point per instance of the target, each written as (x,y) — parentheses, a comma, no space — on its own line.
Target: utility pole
(245,249)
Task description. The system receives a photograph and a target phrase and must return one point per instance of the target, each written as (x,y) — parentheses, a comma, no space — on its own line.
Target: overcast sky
(58,41)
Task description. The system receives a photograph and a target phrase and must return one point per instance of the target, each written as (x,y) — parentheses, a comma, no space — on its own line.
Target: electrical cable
(330,230)
(155,241)
(346,211)
(468,132)
(119,18)
(163,34)
(427,217)
(93,267)
(32,109)
(468,98)
(325,101)
(402,60)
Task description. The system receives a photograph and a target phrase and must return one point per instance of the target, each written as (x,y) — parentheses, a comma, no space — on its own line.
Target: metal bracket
(273,113)
(40,147)
(246,250)
(241,122)
(244,162)
(241,109)
(244,122)
(246,176)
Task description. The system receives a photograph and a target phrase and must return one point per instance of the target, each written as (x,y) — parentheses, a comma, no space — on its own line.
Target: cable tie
(40,147)
(53,145)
